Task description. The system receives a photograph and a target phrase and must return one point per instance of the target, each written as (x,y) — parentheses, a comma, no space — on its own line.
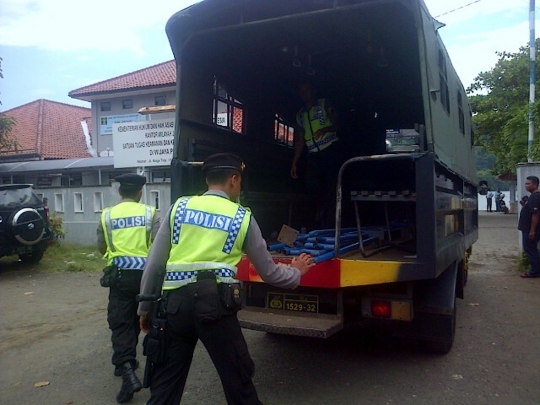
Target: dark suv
(24,223)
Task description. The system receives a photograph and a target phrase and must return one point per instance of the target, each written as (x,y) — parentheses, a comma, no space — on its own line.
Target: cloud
(475,33)
(475,53)
(454,12)
(67,25)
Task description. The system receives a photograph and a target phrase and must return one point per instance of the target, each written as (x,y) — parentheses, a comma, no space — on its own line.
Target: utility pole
(532,46)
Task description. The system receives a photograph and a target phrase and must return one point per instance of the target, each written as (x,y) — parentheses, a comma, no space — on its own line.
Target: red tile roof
(50,130)
(160,75)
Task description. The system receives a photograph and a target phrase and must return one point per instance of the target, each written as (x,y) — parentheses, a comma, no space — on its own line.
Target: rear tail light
(381,309)
(395,309)
(46,208)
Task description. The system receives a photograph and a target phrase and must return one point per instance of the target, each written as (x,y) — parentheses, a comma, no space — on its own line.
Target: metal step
(297,324)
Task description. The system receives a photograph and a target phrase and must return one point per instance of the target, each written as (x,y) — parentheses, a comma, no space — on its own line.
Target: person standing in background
(498,195)
(489,200)
(124,236)
(529,225)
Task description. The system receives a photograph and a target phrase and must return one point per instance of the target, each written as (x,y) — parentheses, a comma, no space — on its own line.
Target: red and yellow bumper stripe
(334,273)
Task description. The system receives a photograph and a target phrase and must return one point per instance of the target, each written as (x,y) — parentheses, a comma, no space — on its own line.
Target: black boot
(118,369)
(130,383)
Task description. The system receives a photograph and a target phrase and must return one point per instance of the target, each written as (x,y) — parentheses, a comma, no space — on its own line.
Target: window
(160,100)
(461,116)
(18,179)
(78,202)
(283,133)
(71,180)
(41,196)
(127,104)
(443,83)
(228,111)
(58,202)
(105,106)
(6,180)
(154,199)
(98,201)
(161,176)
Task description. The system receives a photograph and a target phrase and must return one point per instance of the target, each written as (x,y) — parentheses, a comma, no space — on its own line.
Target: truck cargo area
(405,213)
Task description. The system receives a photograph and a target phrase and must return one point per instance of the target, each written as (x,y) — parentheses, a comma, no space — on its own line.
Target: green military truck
(406,189)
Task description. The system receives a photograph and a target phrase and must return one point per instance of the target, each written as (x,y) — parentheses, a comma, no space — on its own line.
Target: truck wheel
(32,257)
(448,324)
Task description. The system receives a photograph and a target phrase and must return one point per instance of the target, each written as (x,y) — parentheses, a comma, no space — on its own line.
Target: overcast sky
(50,47)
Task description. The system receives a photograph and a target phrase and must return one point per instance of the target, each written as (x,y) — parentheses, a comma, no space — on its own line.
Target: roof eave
(90,96)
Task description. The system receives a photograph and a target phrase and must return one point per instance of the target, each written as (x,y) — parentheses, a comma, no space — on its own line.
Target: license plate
(293,302)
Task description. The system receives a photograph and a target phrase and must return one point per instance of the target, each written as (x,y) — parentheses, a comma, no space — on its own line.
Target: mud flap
(434,321)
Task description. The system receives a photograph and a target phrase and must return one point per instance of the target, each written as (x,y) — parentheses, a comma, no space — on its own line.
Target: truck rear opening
(406,213)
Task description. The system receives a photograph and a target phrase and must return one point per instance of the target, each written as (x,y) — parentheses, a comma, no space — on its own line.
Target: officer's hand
(144,322)
(319,133)
(294,174)
(304,262)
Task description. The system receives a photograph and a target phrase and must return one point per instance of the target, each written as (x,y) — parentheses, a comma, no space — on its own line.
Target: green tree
(7,142)
(500,104)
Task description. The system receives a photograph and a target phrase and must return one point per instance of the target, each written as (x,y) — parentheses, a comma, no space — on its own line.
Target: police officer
(124,234)
(205,236)
(317,131)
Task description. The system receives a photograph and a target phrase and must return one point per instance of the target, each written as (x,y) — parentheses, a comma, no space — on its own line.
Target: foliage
(7,142)
(484,169)
(56,223)
(523,263)
(491,179)
(483,159)
(500,104)
(62,257)
(66,257)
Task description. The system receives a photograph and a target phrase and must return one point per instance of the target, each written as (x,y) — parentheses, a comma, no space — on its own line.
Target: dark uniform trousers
(222,339)
(321,181)
(122,316)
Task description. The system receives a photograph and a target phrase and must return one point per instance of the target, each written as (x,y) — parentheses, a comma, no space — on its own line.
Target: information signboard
(141,144)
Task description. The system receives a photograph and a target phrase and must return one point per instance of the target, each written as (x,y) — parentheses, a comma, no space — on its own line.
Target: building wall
(79,196)
(80,207)
(101,120)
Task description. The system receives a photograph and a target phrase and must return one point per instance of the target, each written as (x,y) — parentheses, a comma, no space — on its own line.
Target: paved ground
(53,331)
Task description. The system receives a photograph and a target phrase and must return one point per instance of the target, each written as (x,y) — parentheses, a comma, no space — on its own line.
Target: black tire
(27,226)
(32,257)
(444,345)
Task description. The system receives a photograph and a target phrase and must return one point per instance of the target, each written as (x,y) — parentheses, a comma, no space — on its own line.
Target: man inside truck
(199,247)
(317,129)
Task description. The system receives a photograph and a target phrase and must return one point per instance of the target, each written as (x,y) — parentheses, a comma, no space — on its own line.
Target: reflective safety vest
(128,233)
(313,120)
(207,233)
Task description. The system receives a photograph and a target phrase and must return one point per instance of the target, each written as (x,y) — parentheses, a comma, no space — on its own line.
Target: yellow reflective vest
(313,120)
(207,233)
(128,233)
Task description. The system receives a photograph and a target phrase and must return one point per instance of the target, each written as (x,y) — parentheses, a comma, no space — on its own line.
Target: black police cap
(131,180)
(223,161)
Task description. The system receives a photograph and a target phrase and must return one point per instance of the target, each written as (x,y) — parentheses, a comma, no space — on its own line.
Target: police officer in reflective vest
(125,234)
(317,127)
(200,246)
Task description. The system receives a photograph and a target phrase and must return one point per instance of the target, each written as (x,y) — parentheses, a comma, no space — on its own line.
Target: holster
(231,296)
(206,298)
(110,276)
(154,344)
